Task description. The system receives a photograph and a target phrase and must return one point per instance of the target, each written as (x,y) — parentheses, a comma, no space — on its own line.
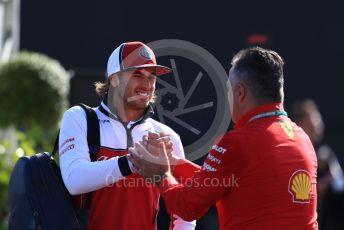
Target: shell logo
(300,186)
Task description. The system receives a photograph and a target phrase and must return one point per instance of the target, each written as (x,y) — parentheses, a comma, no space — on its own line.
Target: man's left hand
(153,165)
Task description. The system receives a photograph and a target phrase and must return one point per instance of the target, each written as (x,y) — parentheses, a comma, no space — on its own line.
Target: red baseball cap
(134,55)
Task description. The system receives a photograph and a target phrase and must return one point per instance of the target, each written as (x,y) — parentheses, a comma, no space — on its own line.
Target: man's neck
(247,107)
(124,113)
(252,103)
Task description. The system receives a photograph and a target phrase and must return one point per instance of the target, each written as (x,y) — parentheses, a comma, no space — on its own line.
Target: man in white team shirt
(120,198)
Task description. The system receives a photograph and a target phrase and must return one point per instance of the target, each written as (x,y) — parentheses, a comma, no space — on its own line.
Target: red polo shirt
(261,175)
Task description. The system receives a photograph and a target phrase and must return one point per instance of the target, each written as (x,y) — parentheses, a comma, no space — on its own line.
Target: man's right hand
(152,140)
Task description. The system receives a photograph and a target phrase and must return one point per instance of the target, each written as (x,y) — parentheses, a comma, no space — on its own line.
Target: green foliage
(33,95)
(33,91)
(7,161)
(5,172)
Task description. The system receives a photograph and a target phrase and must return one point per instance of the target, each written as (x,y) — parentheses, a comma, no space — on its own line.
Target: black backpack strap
(93,140)
(56,145)
(93,132)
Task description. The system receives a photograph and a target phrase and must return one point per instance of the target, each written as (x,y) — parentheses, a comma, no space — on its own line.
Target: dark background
(309,35)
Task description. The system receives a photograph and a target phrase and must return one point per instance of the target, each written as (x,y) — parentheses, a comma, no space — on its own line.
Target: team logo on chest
(287,128)
(300,186)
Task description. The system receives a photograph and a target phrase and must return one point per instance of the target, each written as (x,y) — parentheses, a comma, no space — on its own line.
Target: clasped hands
(153,157)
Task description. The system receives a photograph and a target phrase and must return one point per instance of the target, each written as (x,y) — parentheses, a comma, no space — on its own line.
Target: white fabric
(113,65)
(79,174)
(180,224)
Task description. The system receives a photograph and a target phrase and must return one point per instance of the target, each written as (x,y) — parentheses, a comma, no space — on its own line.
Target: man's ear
(113,79)
(241,91)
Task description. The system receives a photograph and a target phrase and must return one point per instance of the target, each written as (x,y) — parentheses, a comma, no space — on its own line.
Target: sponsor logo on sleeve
(300,186)
(213,159)
(69,140)
(219,149)
(208,168)
(69,147)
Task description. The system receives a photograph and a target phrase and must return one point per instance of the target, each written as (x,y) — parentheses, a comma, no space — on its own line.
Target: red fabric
(137,54)
(250,175)
(185,169)
(131,193)
(261,109)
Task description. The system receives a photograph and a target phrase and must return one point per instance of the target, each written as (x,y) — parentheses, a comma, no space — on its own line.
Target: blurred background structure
(81,35)
(9,27)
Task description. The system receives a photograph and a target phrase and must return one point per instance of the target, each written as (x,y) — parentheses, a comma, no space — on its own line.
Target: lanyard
(269,114)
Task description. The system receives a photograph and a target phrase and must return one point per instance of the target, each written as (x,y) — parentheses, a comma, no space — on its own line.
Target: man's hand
(153,164)
(152,140)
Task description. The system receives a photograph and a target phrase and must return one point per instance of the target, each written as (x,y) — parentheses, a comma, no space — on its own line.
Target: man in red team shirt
(261,175)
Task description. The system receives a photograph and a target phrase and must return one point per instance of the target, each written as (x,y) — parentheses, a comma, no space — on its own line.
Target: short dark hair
(262,71)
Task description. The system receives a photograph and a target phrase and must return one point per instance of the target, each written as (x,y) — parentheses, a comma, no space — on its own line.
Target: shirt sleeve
(177,222)
(79,174)
(184,168)
(220,172)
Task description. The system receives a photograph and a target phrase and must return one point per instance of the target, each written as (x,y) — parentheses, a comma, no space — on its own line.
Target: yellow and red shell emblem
(300,186)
